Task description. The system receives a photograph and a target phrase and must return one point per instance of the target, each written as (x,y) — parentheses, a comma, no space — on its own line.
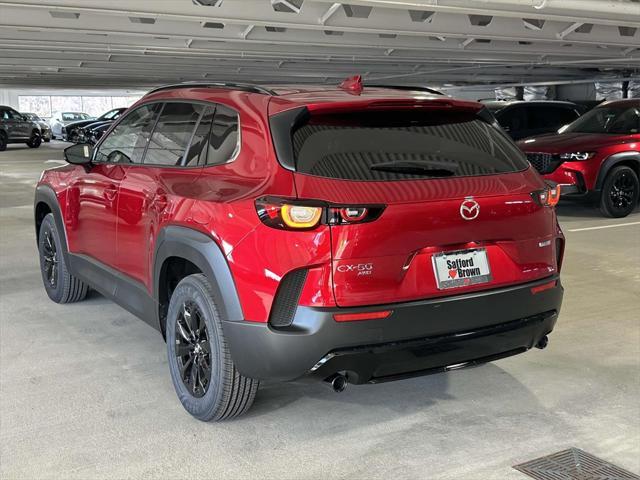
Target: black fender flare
(45,194)
(627,157)
(201,250)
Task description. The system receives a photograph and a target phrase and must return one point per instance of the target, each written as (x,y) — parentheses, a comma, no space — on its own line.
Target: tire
(3,141)
(35,141)
(215,393)
(620,192)
(60,285)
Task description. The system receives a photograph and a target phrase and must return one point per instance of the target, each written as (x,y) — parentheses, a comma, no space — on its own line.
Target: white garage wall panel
(45,101)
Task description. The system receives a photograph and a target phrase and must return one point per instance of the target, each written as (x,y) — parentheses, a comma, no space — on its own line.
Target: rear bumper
(418,338)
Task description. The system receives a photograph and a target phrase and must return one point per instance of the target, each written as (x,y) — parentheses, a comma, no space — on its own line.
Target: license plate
(461,268)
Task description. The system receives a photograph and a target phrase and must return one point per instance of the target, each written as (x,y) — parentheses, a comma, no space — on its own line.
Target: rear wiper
(411,168)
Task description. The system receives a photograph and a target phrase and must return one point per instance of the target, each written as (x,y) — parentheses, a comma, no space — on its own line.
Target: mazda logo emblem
(469,209)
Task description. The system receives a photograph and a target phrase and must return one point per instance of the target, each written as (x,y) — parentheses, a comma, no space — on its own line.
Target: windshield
(74,116)
(110,115)
(619,119)
(403,145)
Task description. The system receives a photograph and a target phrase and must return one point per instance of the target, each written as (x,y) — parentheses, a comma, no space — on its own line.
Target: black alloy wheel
(61,286)
(193,351)
(620,192)
(3,141)
(35,141)
(203,373)
(50,259)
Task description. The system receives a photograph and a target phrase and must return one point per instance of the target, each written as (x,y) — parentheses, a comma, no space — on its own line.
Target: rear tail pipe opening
(337,382)
(543,342)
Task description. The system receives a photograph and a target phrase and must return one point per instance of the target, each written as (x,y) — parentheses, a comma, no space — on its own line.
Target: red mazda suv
(597,155)
(348,234)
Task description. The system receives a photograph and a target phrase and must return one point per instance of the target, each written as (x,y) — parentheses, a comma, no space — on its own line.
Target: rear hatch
(448,197)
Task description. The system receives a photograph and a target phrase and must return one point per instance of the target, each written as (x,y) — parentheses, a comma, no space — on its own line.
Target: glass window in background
(38,104)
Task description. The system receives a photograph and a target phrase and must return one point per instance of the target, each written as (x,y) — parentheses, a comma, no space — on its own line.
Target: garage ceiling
(439,42)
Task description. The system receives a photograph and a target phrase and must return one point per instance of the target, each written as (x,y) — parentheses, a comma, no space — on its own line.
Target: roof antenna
(352,85)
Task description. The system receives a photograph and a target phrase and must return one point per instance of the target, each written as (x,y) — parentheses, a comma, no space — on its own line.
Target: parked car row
(17,128)
(83,131)
(60,120)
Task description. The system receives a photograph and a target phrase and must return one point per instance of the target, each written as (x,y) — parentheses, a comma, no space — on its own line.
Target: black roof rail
(245,87)
(405,87)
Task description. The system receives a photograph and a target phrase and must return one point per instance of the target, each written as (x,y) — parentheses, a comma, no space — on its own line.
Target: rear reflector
(543,287)
(354,317)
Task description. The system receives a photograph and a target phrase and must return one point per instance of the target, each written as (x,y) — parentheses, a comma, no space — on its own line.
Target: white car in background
(59,120)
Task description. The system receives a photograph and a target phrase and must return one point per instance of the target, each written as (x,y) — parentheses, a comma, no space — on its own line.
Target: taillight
(549,197)
(300,216)
(289,214)
(355,214)
(293,214)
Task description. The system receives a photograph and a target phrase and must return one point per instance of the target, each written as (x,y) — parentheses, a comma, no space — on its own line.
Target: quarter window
(173,133)
(224,138)
(127,142)
(197,154)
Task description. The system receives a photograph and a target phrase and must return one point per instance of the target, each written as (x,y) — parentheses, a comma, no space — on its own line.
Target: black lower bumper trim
(417,337)
(417,357)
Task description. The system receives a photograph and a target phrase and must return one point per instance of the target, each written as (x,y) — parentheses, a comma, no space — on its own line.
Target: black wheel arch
(203,253)
(630,159)
(45,202)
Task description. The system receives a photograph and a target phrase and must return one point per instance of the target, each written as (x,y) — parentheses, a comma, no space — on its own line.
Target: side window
(541,117)
(8,114)
(224,141)
(564,115)
(513,119)
(4,114)
(126,143)
(626,123)
(197,154)
(172,134)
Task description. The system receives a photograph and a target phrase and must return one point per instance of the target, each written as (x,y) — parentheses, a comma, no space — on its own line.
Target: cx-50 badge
(359,268)
(469,209)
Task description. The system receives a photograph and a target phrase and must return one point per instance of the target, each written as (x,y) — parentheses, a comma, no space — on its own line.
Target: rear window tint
(452,144)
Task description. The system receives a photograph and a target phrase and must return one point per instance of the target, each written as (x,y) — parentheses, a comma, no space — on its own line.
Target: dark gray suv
(16,128)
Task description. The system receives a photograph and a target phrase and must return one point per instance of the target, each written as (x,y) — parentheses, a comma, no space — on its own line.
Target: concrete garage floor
(85,390)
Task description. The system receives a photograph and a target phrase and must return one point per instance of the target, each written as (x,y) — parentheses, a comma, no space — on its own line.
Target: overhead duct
(608,90)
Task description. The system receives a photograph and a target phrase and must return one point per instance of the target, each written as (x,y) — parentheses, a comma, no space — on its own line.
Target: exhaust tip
(337,382)
(543,342)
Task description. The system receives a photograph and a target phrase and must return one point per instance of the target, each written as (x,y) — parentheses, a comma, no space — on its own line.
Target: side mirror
(79,154)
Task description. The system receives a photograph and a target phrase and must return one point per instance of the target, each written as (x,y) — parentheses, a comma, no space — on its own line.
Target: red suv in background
(598,153)
(347,234)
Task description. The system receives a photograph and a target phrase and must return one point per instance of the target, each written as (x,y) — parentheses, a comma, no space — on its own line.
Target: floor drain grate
(573,464)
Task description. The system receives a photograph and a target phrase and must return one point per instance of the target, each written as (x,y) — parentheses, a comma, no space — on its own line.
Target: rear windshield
(403,145)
